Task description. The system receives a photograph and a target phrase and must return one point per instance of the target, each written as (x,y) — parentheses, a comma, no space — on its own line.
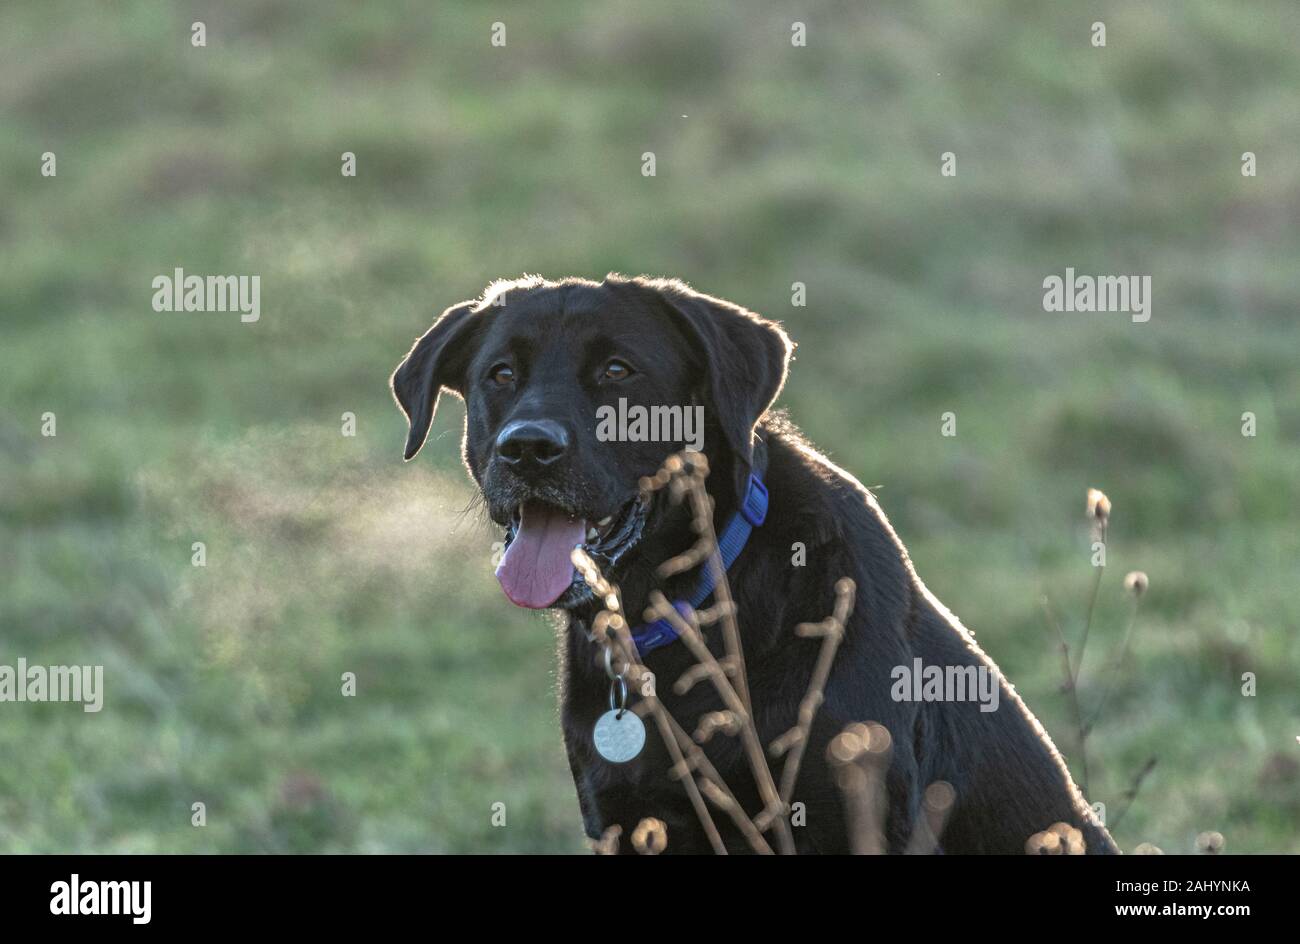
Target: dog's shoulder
(821,506)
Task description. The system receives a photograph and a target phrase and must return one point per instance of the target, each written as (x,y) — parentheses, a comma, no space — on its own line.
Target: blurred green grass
(326,555)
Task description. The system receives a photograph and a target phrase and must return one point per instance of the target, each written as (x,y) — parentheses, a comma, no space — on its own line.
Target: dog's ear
(746,358)
(436,361)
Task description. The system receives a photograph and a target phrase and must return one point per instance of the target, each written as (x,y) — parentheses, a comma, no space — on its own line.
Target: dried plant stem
(1131,793)
(1072,689)
(618,636)
(684,769)
(683,476)
(719,793)
(1119,661)
(795,741)
(935,807)
(773,814)
(1092,602)
(611,628)
(686,755)
(607,844)
(859,756)
(702,508)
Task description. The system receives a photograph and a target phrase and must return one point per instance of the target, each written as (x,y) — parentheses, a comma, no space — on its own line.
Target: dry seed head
(600,626)
(1098,505)
(607,844)
(650,836)
(1044,843)
(939,796)
(725,721)
(1136,583)
(1209,843)
(845,747)
(1049,844)
(1073,842)
(878,740)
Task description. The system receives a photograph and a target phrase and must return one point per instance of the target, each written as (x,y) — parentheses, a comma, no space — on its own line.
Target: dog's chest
(623,794)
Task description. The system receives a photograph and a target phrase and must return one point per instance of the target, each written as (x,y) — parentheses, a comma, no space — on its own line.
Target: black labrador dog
(541,365)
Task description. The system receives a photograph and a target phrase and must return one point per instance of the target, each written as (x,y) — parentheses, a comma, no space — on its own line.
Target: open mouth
(536,570)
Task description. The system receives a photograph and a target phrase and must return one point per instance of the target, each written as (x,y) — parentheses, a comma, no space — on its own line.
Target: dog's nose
(525,443)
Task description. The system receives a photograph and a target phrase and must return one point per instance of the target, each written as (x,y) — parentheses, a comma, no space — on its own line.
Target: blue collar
(752,513)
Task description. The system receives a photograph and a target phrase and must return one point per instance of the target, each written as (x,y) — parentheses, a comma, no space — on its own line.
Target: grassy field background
(325,554)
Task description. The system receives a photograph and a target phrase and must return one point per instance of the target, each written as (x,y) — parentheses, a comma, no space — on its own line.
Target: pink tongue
(536,568)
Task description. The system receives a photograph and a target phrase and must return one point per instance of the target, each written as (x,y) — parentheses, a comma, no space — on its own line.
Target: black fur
(685,347)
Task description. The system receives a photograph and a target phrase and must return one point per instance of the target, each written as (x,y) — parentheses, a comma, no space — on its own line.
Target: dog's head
(574,390)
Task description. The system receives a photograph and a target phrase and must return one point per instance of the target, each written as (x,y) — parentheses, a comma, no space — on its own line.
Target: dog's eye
(616,370)
(502,374)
